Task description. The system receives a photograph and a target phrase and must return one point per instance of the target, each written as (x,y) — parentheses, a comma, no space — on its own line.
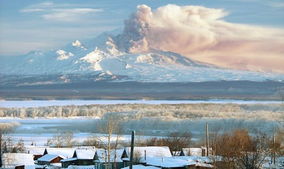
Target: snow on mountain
(78,44)
(62,55)
(102,57)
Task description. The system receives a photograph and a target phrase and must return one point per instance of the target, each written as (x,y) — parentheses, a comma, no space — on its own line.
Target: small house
(195,151)
(49,159)
(81,158)
(142,153)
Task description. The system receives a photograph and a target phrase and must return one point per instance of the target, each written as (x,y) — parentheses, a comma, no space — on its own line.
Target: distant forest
(272,112)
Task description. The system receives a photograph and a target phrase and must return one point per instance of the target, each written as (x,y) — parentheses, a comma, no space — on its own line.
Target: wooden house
(81,158)
(49,159)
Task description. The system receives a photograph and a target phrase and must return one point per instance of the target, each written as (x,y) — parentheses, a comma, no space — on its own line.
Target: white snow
(102,55)
(78,44)
(81,167)
(115,155)
(10,160)
(85,153)
(151,151)
(39,150)
(195,151)
(176,161)
(144,59)
(63,55)
(112,48)
(128,66)
(142,167)
(94,58)
(168,162)
(48,157)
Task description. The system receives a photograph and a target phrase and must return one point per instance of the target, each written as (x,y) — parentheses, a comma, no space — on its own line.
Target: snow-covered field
(43,103)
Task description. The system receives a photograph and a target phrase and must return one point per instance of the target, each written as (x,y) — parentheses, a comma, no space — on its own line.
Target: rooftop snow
(64,152)
(152,151)
(48,157)
(85,153)
(81,167)
(169,162)
(142,167)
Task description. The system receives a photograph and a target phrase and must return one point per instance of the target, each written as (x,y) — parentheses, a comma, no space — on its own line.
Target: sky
(27,25)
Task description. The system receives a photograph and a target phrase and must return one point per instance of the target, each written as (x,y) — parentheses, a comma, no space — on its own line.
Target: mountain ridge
(101,56)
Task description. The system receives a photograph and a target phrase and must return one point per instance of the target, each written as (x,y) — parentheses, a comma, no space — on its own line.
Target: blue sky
(27,25)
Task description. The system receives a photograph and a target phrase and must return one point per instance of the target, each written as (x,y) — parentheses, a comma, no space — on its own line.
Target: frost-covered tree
(4,128)
(62,139)
(110,125)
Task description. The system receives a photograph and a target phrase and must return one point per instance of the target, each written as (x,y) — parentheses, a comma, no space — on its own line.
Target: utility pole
(273,148)
(1,149)
(207,139)
(132,149)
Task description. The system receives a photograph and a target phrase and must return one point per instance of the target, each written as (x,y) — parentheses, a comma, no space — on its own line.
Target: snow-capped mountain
(102,58)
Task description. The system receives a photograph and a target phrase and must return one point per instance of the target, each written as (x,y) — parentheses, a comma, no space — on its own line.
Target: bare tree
(175,141)
(5,128)
(93,141)
(137,157)
(110,126)
(20,146)
(279,141)
(242,151)
(63,139)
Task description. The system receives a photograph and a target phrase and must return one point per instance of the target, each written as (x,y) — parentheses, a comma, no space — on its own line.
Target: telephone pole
(207,139)
(273,149)
(132,149)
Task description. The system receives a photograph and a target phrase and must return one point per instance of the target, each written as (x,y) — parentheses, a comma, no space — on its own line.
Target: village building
(195,151)
(49,159)
(81,158)
(142,153)
(98,158)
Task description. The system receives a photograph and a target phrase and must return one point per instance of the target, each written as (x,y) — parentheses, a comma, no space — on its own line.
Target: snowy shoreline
(46,103)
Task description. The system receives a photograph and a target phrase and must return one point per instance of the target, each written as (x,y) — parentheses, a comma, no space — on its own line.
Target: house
(42,150)
(115,160)
(98,158)
(195,151)
(142,153)
(161,157)
(49,159)
(169,163)
(81,158)
(176,162)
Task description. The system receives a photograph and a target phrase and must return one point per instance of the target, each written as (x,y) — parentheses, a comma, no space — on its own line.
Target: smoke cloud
(202,34)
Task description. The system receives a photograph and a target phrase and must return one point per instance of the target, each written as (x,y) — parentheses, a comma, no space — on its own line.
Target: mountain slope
(101,58)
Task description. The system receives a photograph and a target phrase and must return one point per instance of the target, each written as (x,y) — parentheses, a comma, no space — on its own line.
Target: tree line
(138,111)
